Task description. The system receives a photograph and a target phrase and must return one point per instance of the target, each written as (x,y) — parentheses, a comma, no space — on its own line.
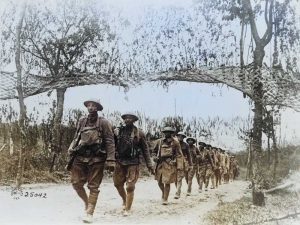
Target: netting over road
(279,88)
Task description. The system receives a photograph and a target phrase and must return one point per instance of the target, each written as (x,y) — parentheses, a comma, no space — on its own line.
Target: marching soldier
(130,143)
(222,165)
(187,163)
(210,168)
(227,167)
(168,156)
(93,144)
(217,170)
(194,152)
(233,169)
(201,165)
(205,165)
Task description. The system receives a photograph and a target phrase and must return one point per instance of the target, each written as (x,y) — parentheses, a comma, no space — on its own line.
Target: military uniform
(205,165)
(217,170)
(222,165)
(210,168)
(187,164)
(195,153)
(95,144)
(227,167)
(233,169)
(130,144)
(166,169)
(168,155)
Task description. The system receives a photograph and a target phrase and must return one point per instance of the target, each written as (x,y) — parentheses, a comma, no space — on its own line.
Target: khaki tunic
(169,160)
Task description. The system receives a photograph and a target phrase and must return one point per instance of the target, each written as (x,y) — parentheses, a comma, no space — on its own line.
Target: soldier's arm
(178,150)
(145,149)
(108,139)
(189,156)
(210,159)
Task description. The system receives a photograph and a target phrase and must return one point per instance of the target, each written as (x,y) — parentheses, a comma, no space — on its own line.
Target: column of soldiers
(96,143)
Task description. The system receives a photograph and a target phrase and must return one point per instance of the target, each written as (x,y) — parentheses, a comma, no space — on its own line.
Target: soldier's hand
(111,165)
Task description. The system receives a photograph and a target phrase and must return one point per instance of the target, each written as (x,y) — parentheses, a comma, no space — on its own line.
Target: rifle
(74,150)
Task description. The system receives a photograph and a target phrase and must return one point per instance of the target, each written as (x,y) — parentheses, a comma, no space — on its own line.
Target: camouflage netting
(279,88)
(35,84)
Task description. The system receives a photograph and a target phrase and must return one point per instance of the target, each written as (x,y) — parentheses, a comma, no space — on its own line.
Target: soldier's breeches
(126,174)
(81,173)
(201,176)
(217,176)
(209,173)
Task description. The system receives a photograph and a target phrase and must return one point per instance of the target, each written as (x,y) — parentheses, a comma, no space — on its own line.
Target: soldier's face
(180,137)
(92,107)
(190,142)
(128,120)
(168,134)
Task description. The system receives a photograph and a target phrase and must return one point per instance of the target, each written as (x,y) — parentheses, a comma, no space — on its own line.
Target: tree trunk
(275,149)
(22,117)
(56,142)
(249,161)
(258,174)
(269,152)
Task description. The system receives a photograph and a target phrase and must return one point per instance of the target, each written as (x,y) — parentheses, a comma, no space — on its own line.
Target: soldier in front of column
(93,145)
(187,164)
(195,154)
(130,144)
(168,157)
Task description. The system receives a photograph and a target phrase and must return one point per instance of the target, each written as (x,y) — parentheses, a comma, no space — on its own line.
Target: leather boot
(166,194)
(178,192)
(189,190)
(161,187)
(122,193)
(129,200)
(82,194)
(92,201)
(200,185)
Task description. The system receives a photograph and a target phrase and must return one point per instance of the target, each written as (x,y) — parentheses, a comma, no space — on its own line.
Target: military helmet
(97,102)
(181,133)
(168,129)
(202,144)
(131,114)
(192,139)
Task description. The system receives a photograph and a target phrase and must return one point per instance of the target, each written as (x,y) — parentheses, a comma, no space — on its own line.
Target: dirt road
(57,204)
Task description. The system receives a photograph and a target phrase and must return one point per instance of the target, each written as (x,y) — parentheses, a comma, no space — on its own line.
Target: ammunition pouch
(91,151)
(130,153)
